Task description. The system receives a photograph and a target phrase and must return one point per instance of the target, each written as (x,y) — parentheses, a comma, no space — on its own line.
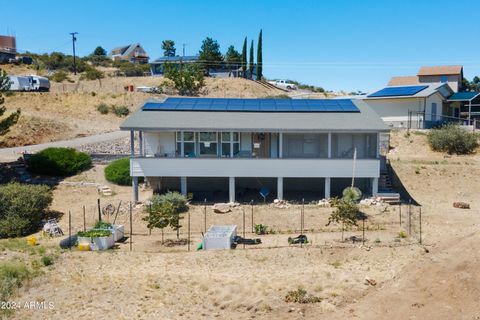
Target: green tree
(12,119)
(99,51)
(259,57)
(210,55)
(165,211)
(346,212)
(233,58)
(244,58)
(250,62)
(168,47)
(188,79)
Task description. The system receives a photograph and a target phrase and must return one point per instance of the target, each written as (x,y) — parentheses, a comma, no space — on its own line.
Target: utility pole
(184,44)
(73,42)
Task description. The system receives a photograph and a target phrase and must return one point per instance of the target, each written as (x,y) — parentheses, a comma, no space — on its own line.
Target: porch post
(327,188)
(182,147)
(280,188)
(183,185)
(140,142)
(374,187)
(132,143)
(280,145)
(135,189)
(231,189)
(329,145)
(469,111)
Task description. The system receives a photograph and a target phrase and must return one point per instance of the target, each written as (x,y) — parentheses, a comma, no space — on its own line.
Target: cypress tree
(250,62)
(244,58)
(259,57)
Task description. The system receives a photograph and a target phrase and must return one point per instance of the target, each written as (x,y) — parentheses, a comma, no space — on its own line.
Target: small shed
(219,237)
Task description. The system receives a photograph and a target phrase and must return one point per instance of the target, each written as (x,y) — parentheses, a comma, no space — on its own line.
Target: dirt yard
(436,280)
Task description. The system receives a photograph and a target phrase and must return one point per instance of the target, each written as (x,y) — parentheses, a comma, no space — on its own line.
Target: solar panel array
(252,105)
(397,91)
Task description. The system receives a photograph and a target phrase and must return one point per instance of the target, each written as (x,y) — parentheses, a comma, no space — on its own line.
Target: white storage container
(219,237)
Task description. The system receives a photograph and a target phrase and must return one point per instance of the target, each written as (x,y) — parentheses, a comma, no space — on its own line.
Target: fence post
(205,215)
(420,218)
(363,232)
(243,210)
(84,220)
(99,210)
(400,213)
(253,228)
(150,219)
(410,217)
(189,230)
(69,230)
(301,221)
(131,226)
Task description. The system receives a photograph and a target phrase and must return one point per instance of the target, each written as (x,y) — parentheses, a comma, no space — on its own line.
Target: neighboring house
(158,66)
(133,53)
(412,106)
(8,49)
(229,149)
(453,75)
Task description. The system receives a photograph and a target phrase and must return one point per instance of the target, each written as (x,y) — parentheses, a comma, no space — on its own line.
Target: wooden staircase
(385,187)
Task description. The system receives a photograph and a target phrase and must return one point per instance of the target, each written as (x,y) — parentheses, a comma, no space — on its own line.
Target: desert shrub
(103,108)
(188,79)
(102,225)
(118,172)
(22,208)
(92,74)
(301,296)
(59,76)
(120,111)
(261,229)
(165,211)
(12,277)
(352,194)
(452,139)
(47,261)
(59,162)
(94,233)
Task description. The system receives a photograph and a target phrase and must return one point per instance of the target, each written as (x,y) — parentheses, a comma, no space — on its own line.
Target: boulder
(222,208)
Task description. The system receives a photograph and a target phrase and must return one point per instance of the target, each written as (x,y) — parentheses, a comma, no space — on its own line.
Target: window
(443,79)
(188,143)
(434,111)
(345,144)
(208,143)
(230,140)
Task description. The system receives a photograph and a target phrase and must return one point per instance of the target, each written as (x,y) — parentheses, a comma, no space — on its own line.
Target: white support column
(140,142)
(329,145)
(280,188)
(231,189)
(183,185)
(135,189)
(132,143)
(182,145)
(280,145)
(327,187)
(374,187)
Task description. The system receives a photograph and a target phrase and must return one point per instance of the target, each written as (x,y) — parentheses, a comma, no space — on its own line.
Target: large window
(310,145)
(344,145)
(208,143)
(229,141)
(188,144)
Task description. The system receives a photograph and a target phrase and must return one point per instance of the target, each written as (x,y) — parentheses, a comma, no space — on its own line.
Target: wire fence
(273,224)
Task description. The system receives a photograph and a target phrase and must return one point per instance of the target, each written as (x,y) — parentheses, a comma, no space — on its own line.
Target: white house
(235,147)
(413,106)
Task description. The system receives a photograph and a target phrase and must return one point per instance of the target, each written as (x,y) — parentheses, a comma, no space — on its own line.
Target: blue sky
(340,45)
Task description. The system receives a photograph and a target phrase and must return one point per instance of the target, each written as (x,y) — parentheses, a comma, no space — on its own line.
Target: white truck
(283,84)
(29,83)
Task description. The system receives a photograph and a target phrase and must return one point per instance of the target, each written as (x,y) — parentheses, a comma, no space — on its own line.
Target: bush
(352,194)
(12,276)
(118,172)
(47,261)
(92,74)
(103,108)
(102,225)
(59,162)
(120,111)
(452,139)
(94,233)
(59,76)
(188,79)
(301,296)
(22,208)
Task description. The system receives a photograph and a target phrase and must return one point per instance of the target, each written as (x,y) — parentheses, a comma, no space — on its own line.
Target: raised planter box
(98,243)
(117,230)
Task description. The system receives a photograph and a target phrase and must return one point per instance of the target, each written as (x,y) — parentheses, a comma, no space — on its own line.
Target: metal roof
(397,91)
(365,120)
(175,59)
(251,105)
(464,96)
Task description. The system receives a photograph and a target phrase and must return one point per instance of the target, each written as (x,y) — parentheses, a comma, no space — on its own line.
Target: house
(222,71)
(453,75)
(133,53)
(412,106)
(8,49)
(230,149)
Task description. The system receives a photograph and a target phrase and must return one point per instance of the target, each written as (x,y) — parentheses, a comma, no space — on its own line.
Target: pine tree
(168,47)
(9,121)
(210,55)
(244,58)
(259,57)
(251,62)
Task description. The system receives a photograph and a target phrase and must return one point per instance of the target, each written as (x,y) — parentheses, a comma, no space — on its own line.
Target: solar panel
(397,91)
(252,105)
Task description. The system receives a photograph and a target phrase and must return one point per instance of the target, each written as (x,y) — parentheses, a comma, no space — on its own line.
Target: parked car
(29,83)
(283,84)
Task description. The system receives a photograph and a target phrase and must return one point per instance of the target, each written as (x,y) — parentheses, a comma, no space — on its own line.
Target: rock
(324,203)
(370,281)
(221,208)
(461,205)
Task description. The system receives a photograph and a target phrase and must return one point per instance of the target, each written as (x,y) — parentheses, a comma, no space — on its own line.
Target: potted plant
(118,231)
